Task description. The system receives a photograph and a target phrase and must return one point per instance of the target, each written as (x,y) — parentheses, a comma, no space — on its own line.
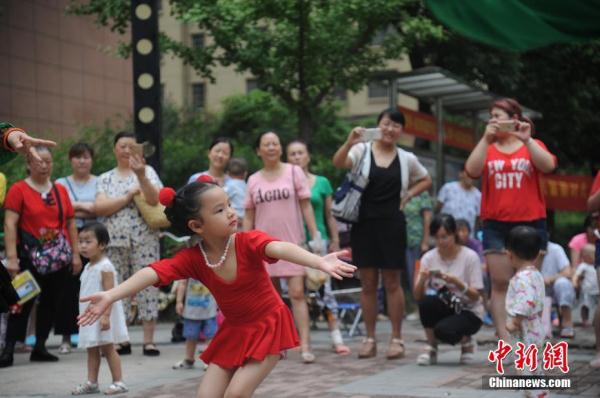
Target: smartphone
(145,149)
(435,272)
(371,134)
(505,126)
(138,149)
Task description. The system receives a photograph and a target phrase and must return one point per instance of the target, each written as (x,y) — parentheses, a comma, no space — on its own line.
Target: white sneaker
(467,351)
(65,348)
(185,364)
(428,357)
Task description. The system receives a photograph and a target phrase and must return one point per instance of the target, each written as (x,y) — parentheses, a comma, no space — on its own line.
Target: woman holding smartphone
(378,239)
(510,163)
(455,269)
(133,244)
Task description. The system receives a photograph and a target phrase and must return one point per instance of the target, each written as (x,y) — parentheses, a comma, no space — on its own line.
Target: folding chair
(350,311)
(350,314)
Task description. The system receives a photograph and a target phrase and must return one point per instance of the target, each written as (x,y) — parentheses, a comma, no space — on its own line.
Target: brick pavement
(331,376)
(334,376)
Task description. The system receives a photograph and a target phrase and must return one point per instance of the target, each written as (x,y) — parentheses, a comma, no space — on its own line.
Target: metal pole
(440,166)
(393,93)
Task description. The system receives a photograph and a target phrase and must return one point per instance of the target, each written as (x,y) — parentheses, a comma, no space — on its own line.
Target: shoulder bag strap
(361,166)
(71,189)
(60,208)
(293,178)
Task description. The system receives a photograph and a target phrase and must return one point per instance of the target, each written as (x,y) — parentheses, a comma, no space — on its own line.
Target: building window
(198,96)
(251,85)
(198,40)
(378,89)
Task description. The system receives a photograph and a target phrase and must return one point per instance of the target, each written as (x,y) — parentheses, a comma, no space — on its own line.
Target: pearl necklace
(223,257)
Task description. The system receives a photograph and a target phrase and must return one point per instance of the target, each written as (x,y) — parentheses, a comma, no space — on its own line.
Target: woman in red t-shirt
(510,162)
(33,206)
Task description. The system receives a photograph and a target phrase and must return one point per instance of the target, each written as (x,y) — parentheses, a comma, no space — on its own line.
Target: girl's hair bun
(166,196)
(206,178)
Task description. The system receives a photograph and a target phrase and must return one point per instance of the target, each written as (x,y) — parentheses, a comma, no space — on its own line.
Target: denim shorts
(192,328)
(495,233)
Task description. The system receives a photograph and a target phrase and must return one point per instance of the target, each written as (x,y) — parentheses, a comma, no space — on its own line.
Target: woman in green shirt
(321,191)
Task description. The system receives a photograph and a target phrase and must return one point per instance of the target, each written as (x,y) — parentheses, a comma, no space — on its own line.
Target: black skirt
(379,242)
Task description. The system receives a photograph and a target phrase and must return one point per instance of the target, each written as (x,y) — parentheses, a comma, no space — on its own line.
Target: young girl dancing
(258,326)
(99,275)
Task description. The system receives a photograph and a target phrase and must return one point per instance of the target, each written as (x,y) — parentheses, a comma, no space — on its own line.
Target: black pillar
(146,76)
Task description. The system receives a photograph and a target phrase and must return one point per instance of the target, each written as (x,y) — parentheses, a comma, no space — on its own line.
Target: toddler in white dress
(99,274)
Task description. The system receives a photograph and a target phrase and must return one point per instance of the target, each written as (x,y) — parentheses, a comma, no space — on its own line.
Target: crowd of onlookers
(456,252)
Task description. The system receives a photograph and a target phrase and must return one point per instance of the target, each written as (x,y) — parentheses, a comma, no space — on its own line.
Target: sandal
(308,357)
(150,352)
(341,349)
(428,357)
(567,333)
(368,348)
(118,387)
(467,351)
(395,349)
(86,388)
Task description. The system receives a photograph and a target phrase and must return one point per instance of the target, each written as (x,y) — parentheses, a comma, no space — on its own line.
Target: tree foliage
(299,50)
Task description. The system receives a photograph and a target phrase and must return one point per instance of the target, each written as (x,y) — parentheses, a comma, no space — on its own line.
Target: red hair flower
(206,178)
(166,196)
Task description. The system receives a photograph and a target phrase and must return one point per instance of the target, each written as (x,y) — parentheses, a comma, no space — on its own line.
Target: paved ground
(331,376)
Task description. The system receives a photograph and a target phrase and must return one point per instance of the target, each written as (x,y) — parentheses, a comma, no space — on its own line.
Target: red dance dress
(257,322)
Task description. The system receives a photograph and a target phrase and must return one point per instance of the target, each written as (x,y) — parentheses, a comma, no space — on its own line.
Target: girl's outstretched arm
(99,302)
(329,264)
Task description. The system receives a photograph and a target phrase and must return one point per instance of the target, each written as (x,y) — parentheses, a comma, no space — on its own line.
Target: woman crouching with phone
(448,289)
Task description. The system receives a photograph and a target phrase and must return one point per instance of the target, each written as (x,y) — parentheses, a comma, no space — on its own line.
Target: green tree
(299,50)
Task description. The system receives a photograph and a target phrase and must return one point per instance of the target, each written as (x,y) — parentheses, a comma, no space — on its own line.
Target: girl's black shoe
(124,349)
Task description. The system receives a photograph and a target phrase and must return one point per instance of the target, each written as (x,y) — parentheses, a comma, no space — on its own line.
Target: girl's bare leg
(114,361)
(248,377)
(215,382)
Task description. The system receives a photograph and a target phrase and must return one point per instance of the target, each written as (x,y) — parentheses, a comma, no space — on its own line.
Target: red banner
(566,192)
(424,126)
